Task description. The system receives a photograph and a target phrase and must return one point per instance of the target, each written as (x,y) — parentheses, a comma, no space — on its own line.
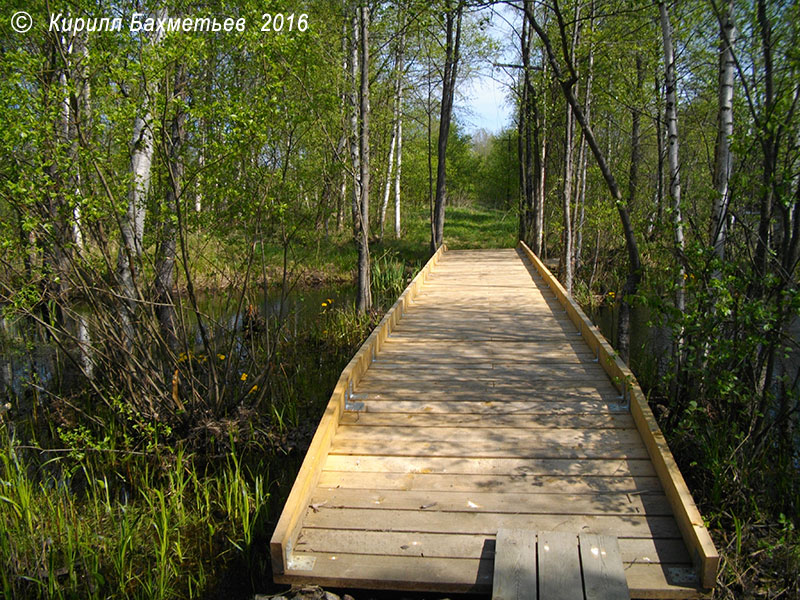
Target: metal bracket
(625,397)
(354,406)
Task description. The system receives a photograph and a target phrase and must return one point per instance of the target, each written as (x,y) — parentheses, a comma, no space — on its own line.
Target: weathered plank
(517,467)
(413,543)
(515,575)
(481,523)
(587,503)
(449,403)
(508,483)
(452,433)
(513,448)
(458,575)
(603,573)
(559,566)
(502,420)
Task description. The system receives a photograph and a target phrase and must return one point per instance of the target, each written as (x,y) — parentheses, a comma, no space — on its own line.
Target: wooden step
(554,565)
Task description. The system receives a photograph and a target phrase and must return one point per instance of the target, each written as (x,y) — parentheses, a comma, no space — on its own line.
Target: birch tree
(141,159)
(397,133)
(671,114)
(723,156)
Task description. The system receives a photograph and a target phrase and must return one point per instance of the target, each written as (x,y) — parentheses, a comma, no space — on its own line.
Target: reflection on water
(32,361)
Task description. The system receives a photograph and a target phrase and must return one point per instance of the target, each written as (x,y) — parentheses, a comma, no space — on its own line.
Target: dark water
(32,363)
(651,343)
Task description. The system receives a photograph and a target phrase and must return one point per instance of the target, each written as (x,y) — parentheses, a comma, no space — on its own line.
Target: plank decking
(478,406)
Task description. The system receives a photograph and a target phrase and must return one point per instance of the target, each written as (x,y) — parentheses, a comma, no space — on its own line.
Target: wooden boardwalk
(486,401)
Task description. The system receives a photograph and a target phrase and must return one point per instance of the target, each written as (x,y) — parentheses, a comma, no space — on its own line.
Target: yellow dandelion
(253,389)
(324,304)
(221,356)
(243,377)
(330,301)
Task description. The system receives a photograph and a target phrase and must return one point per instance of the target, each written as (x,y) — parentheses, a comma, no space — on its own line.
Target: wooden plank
(477,436)
(588,503)
(514,576)
(465,375)
(603,573)
(470,483)
(489,449)
(481,523)
(451,575)
(559,566)
(407,359)
(518,467)
(670,552)
(375,402)
(687,516)
(696,536)
(489,391)
(492,421)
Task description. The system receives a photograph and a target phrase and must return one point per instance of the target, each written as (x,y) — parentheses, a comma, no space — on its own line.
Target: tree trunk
(523,128)
(399,164)
(452,21)
(82,115)
(582,155)
(566,198)
(389,167)
(165,263)
(364,297)
(132,223)
(540,165)
(355,149)
(672,151)
(723,157)
(396,134)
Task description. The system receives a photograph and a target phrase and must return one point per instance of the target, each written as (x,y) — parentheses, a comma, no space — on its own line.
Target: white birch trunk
(672,147)
(399,164)
(390,164)
(132,223)
(723,158)
(355,153)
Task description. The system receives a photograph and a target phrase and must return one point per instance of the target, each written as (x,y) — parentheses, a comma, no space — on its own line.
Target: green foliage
(75,527)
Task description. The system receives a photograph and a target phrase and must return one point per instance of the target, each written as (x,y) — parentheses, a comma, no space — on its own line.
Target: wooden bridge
(485,438)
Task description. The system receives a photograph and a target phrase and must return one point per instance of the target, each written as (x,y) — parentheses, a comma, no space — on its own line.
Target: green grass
(131,529)
(334,257)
